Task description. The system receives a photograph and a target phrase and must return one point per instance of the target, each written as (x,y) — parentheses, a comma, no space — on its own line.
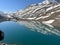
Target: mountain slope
(42,17)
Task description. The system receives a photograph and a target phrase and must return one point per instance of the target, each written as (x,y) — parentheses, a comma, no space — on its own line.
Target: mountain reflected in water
(19,34)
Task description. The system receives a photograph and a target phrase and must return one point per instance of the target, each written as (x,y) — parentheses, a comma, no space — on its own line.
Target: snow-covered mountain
(42,17)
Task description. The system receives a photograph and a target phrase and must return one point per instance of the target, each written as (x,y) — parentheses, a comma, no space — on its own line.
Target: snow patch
(9,16)
(49,8)
(48,22)
(57,18)
(42,17)
(31,18)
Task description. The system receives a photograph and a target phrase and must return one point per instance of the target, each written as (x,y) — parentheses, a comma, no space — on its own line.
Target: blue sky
(13,5)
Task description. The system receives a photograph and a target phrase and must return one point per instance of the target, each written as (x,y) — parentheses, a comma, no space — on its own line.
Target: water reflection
(20,34)
(40,27)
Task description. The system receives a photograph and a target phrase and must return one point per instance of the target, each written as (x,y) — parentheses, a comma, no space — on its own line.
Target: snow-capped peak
(50,2)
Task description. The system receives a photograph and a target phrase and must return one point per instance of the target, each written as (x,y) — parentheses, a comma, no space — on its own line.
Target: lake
(15,33)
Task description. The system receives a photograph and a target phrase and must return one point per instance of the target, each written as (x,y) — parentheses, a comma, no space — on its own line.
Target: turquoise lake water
(18,34)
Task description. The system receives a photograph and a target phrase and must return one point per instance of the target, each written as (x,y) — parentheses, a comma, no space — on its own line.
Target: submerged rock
(1,35)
